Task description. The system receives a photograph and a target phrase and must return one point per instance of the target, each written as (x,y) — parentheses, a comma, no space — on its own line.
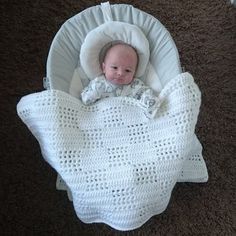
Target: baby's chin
(120,81)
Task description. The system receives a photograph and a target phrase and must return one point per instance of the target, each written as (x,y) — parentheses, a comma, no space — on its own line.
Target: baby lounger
(120,166)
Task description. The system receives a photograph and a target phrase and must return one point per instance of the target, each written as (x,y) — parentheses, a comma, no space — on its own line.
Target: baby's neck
(114,85)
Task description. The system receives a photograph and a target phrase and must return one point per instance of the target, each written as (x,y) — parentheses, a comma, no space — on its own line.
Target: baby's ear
(103,67)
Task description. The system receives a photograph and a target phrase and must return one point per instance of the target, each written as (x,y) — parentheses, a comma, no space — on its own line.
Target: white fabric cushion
(76,85)
(106,33)
(65,49)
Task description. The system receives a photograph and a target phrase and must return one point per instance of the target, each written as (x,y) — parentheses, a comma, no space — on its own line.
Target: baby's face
(120,64)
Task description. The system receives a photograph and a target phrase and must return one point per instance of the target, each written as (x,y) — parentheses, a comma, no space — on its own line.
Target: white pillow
(152,80)
(106,33)
(76,85)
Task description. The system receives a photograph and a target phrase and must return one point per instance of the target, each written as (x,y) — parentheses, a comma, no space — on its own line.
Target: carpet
(205,35)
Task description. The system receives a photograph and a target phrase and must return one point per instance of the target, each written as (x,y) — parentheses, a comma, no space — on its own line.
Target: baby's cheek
(130,79)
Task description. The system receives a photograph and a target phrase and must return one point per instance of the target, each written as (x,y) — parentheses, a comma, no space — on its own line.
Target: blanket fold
(120,166)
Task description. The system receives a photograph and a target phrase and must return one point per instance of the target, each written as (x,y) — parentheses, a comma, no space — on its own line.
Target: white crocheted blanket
(120,166)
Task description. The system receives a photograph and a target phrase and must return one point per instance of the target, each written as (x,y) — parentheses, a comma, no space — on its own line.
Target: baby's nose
(119,72)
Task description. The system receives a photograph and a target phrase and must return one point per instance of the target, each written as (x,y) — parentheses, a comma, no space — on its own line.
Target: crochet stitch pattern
(120,166)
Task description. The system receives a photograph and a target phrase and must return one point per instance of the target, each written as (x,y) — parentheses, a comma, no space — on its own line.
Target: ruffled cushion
(106,33)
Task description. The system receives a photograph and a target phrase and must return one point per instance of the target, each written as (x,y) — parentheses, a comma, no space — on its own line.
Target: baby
(119,66)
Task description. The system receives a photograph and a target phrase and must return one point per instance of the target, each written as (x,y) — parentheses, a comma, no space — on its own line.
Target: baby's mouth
(118,79)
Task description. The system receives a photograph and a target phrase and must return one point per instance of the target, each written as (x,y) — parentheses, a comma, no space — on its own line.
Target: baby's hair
(111,44)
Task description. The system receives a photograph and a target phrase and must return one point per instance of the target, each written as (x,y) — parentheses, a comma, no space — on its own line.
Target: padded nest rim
(63,57)
(109,32)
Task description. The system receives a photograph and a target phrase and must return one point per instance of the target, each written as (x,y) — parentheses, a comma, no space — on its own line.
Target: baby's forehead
(115,46)
(121,49)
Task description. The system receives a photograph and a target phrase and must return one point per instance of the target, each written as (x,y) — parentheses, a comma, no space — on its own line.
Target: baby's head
(120,63)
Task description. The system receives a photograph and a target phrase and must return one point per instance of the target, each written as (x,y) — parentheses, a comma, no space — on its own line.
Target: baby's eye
(114,67)
(128,71)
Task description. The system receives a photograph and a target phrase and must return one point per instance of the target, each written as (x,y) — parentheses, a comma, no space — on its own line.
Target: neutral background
(205,35)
